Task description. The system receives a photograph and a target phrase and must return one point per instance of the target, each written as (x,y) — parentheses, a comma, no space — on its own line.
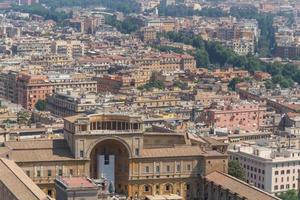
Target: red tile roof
(74,182)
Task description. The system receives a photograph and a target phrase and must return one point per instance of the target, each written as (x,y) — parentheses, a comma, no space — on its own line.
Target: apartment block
(272,170)
(71,49)
(237,116)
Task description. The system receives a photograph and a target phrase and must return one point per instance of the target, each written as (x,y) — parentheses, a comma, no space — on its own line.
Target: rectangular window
(106,160)
(60,172)
(168,168)
(157,169)
(147,169)
(189,167)
(137,152)
(38,173)
(49,172)
(49,192)
(28,173)
(71,172)
(178,168)
(81,153)
(276,187)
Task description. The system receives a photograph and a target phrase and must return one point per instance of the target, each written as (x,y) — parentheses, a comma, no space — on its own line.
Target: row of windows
(168,168)
(261,186)
(167,187)
(254,176)
(288,164)
(287,179)
(49,173)
(287,186)
(254,169)
(249,160)
(284,172)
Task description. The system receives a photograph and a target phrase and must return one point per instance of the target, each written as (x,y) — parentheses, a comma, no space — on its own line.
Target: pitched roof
(172,152)
(16,181)
(39,150)
(239,187)
(36,144)
(41,155)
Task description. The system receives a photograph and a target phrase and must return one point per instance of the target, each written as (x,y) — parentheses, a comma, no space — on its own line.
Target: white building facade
(272,170)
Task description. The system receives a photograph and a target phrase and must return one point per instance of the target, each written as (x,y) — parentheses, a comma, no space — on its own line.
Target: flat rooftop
(77,182)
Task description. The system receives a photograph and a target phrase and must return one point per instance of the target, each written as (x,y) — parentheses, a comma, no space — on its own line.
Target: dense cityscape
(149,100)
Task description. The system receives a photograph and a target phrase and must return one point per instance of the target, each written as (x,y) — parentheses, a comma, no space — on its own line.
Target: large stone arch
(118,153)
(98,141)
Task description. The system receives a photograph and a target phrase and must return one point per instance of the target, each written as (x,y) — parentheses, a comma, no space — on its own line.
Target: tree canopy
(235,170)
(23,117)
(183,10)
(166,48)
(213,55)
(125,6)
(128,25)
(38,9)
(152,84)
(40,105)
(289,195)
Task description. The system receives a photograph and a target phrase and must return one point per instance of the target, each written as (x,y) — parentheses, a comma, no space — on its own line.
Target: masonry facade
(142,165)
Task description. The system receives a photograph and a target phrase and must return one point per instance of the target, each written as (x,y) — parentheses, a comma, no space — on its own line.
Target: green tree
(38,9)
(165,48)
(202,58)
(125,6)
(269,84)
(233,82)
(289,195)
(213,54)
(235,170)
(128,25)
(23,117)
(40,105)
(153,84)
(181,85)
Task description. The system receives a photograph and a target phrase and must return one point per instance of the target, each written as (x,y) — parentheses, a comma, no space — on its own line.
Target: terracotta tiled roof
(20,185)
(39,150)
(36,144)
(239,187)
(172,152)
(41,155)
(74,182)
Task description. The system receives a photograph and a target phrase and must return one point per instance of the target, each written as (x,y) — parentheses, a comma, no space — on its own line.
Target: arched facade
(139,163)
(115,138)
(110,158)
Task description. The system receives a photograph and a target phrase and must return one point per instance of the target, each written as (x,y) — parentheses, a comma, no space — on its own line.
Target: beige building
(167,62)
(221,186)
(139,163)
(71,49)
(15,185)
